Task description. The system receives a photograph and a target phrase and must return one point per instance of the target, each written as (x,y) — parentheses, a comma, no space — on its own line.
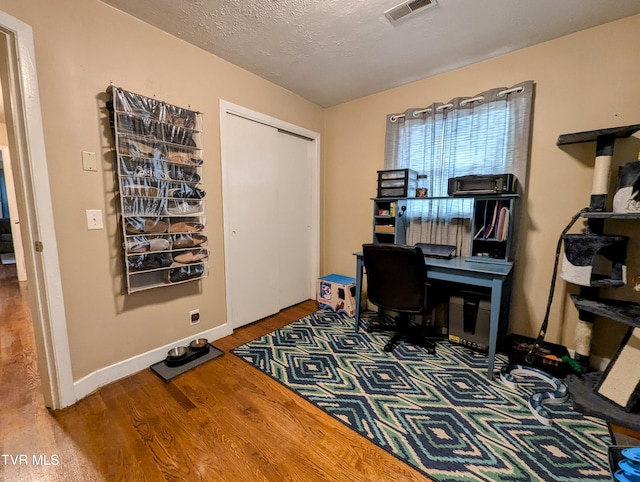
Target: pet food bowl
(177,353)
(199,344)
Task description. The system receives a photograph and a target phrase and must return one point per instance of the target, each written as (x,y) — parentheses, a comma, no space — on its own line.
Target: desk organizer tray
(397,183)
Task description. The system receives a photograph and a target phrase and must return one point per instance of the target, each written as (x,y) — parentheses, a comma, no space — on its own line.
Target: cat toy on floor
(559,394)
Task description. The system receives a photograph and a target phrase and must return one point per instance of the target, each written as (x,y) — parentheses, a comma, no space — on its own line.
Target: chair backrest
(396,276)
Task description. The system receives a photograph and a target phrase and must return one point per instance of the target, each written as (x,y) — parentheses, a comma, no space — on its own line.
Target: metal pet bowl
(177,353)
(199,344)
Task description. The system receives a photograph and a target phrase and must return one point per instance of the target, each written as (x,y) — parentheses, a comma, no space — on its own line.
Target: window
(487,133)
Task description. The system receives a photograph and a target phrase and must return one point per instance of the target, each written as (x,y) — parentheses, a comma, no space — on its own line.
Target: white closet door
(295,217)
(250,156)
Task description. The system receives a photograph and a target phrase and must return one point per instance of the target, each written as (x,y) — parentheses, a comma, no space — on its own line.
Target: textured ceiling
(333,51)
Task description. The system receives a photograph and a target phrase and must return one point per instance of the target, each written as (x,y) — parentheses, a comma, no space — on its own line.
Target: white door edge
(234,109)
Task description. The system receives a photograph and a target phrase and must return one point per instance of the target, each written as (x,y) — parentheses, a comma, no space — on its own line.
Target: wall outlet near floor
(194,317)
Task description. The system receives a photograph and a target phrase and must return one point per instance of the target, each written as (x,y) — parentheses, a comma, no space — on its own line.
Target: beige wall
(585,81)
(82,47)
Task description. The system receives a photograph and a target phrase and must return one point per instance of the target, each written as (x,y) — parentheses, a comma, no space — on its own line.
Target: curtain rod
(480,98)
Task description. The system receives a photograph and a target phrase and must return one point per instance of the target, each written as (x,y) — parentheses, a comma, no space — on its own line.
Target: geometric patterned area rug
(438,413)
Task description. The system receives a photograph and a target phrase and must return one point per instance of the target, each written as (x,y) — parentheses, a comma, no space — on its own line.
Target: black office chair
(396,281)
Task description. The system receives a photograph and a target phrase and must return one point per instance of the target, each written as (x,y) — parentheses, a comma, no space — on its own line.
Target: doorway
(25,140)
(271,213)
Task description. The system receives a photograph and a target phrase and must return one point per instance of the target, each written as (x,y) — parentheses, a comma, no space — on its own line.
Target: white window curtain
(484,134)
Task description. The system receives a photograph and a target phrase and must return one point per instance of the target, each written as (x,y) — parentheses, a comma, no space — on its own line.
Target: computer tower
(469,320)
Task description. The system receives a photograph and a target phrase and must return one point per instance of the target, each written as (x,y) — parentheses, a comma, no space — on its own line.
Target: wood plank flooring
(223,421)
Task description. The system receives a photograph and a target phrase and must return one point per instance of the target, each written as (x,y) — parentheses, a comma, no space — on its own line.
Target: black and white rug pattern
(438,413)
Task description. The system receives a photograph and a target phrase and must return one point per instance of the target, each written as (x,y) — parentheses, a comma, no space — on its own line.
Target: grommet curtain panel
(487,133)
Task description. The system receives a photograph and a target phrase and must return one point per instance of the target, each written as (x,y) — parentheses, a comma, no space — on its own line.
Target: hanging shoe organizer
(161,198)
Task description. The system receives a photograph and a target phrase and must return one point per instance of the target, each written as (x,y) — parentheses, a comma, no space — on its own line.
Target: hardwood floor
(223,421)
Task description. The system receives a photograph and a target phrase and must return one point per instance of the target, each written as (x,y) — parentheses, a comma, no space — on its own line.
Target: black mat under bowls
(167,369)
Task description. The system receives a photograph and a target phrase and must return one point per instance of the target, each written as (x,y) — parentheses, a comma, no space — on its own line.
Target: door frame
(234,109)
(30,171)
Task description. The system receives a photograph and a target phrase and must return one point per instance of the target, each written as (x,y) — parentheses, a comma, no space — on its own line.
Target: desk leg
(359,269)
(496,300)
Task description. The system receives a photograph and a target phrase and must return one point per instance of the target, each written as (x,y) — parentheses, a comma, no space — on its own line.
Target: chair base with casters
(405,331)
(396,282)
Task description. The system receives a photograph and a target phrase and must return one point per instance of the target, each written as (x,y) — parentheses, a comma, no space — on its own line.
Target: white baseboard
(104,376)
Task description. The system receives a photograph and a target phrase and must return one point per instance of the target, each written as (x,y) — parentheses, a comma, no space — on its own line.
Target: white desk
(496,276)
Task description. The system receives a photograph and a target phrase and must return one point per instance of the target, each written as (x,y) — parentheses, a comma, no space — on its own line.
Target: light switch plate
(89,161)
(94,219)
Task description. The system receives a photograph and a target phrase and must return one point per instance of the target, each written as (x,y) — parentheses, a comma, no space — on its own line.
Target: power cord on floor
(531,355)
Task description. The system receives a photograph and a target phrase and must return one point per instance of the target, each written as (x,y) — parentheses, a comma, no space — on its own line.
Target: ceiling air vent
(407,8)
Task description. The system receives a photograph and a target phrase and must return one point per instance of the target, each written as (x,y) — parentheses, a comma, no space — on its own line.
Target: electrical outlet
(194,317)
(94,219)
(89,161)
